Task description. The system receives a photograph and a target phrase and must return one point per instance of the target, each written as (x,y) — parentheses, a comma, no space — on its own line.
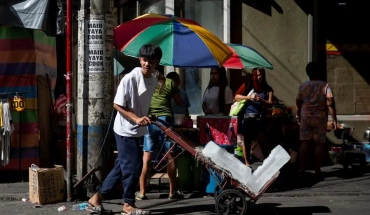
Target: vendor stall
(28,56)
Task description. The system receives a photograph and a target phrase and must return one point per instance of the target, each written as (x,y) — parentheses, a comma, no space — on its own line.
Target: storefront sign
(95,44)
(95,52)
(17,103)
(95,32)
(96,59)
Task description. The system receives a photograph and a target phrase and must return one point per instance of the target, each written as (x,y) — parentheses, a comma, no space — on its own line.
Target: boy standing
(132,103)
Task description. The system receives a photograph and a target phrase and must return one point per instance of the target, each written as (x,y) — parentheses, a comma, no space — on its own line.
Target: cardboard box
(46,185)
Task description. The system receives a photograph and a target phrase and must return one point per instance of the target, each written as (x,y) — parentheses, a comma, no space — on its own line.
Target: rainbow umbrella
(184,42)
(245,57)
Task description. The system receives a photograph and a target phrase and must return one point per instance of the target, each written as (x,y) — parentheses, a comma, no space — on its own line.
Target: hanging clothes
(1,115)
(1,132)
(7,118)
(6,133)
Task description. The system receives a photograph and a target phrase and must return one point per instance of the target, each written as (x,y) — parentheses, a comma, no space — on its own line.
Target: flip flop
(136,212)
(98,209)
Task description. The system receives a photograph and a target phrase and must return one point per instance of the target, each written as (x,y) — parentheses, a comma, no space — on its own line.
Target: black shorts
(251,127)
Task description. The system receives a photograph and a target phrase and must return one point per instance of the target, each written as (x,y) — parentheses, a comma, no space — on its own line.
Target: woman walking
(259,96)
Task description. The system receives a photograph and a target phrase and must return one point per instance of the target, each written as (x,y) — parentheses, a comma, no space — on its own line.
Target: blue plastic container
(209,181)
(366,150)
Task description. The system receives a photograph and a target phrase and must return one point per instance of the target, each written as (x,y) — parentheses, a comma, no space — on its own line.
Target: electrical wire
(105,138)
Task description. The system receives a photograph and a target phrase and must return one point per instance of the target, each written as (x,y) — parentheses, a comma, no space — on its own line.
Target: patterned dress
(314,111)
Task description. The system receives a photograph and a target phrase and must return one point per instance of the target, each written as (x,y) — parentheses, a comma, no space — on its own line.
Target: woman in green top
(160,106)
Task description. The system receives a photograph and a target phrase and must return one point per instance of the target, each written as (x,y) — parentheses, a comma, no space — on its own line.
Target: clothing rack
(2,95)
(14,93)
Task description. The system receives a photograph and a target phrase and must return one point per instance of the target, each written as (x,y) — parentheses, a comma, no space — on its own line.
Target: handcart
(231,196)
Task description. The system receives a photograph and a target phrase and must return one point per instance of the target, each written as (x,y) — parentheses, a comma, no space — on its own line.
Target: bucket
(344,131)
(209,181)
(188,173)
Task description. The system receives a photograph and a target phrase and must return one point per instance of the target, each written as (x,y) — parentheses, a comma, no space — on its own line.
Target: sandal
(97,209)
(177,195)
(136,212)
(139,196)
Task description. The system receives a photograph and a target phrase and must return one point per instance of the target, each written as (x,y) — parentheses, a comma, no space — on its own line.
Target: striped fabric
(25,54)
(45,15)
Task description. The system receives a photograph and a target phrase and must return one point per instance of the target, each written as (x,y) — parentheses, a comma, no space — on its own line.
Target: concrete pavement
(333,205)
(338,194)
(336,183)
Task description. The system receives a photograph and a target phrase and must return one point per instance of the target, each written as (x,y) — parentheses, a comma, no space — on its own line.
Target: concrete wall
(347,61)
(351,88)
(278,30)
(349,79)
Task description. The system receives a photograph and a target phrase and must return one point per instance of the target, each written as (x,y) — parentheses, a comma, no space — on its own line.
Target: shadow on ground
(288,179)
(263,208)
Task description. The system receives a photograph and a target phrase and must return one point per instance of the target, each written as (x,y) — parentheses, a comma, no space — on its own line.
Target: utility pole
(94,82)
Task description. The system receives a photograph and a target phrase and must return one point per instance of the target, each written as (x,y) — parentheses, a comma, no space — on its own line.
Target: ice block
(243,174)
(271,165)
(227,161)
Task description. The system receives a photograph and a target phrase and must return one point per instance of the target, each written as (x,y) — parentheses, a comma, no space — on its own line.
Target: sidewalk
(333,185)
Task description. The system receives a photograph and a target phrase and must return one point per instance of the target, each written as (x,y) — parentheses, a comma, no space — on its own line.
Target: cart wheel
(218,190)
(231,202)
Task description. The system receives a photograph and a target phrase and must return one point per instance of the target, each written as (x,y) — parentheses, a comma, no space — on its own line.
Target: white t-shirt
(210,98)
(134,92)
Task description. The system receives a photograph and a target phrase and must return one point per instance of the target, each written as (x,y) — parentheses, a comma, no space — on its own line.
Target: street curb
(11,198)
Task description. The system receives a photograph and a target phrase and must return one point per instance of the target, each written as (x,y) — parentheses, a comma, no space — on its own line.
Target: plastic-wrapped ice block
(227,161)
(271,165)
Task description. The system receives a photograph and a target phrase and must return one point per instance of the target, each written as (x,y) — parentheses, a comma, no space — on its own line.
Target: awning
(45,15)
